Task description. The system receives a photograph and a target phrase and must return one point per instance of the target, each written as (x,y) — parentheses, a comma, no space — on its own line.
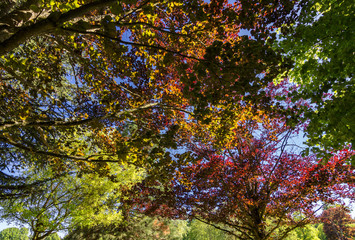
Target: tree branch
(139,45)
(65,123)
(48,24)
(217,227)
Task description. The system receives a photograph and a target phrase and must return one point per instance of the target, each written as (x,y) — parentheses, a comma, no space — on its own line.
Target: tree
(135,227)
(70,200)
(51,110)
(320,45)
(199,230)
(240,174)
(308,232)
(74,74)
(54,236)
(14,234)
(338,224)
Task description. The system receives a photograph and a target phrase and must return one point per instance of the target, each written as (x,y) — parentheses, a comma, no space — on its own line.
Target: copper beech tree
(338,224)
(244,177)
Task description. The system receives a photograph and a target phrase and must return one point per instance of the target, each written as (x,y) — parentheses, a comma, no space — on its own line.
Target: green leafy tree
(321,45)
(199,230)
(14,234)
(308,232)
(53,236)
(69,200)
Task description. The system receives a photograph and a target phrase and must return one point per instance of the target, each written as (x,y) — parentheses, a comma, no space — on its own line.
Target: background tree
(53,236)
(199,230)
(135,227)
(338,224)
(14,234)
(321,46)
(70,200)
(310,231)
(45,213)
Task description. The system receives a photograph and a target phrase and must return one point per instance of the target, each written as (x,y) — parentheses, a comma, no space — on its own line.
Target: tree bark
(50,23)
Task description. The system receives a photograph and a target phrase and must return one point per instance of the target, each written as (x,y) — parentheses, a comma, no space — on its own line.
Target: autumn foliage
(191,97)
(248,180)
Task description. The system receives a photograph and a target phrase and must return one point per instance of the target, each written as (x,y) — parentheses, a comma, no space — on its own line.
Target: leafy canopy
(14,234)
(89,82)
(242,174)
(321,46)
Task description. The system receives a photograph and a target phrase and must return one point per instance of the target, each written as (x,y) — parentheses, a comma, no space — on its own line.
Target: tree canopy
(67,201)
(54,236)
(77,75)
(14,233)
(321,46)
(176,109)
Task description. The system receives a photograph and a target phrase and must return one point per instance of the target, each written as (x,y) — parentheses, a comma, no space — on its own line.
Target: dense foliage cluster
(14,233)
(338,224)
(116,113)
(21,234)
